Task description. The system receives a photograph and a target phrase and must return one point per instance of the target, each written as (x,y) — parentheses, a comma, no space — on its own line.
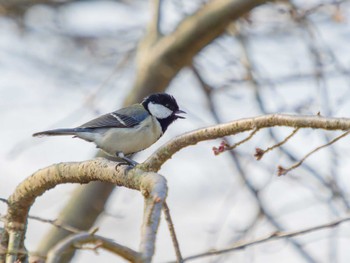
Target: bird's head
(163,107)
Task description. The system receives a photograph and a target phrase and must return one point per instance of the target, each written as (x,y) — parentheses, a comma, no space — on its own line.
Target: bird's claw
(127,161)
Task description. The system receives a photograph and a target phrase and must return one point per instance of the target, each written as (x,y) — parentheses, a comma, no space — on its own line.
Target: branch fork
(152,185)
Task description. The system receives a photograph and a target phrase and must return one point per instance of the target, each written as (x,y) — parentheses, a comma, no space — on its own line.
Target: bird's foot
(126,160)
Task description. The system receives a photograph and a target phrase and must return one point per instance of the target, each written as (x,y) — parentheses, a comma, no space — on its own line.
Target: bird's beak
(179,112)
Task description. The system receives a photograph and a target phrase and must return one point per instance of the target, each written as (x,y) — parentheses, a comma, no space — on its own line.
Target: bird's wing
(123,118)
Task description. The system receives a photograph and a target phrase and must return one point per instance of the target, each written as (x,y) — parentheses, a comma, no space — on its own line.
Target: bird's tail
(58,132)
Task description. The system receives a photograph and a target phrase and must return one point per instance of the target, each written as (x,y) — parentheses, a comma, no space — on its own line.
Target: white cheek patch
(159,111)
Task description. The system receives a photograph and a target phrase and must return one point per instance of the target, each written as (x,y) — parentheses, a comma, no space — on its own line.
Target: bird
(128,130)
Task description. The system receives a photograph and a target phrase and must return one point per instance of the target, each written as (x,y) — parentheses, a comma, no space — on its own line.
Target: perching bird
(128,130)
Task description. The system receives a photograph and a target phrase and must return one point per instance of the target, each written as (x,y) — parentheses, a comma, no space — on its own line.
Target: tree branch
(73,241)
(165,152)
(260,152)
(152,186)
(273,236)
(151,216)
(284,171)
(172,233)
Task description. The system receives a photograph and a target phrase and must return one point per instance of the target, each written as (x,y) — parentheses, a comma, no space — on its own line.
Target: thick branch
(151,185)
(156,160)
(79,172)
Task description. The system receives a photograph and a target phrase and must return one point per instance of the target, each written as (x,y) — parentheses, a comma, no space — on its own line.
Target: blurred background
(65,62)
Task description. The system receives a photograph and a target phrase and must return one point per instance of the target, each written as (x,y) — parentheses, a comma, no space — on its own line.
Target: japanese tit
(128,130)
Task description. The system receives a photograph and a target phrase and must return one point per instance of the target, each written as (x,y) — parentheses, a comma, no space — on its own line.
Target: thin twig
(78,240)
(53,222)
(56,223)
(273,236)
(284,171)
(168,219)
(260,152)
(224,146)
(244,140)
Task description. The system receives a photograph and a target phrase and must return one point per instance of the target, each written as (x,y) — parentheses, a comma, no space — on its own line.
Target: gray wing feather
(124,118)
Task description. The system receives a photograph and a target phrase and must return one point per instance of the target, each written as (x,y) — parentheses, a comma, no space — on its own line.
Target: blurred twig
(283,171)
(78,241)
(260,152)
(56,223)
(273,236)
(172,232)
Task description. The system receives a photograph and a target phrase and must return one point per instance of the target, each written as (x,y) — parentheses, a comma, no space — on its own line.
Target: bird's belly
(130,140)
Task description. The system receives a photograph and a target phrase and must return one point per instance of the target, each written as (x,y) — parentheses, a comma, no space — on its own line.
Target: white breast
(130,140)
